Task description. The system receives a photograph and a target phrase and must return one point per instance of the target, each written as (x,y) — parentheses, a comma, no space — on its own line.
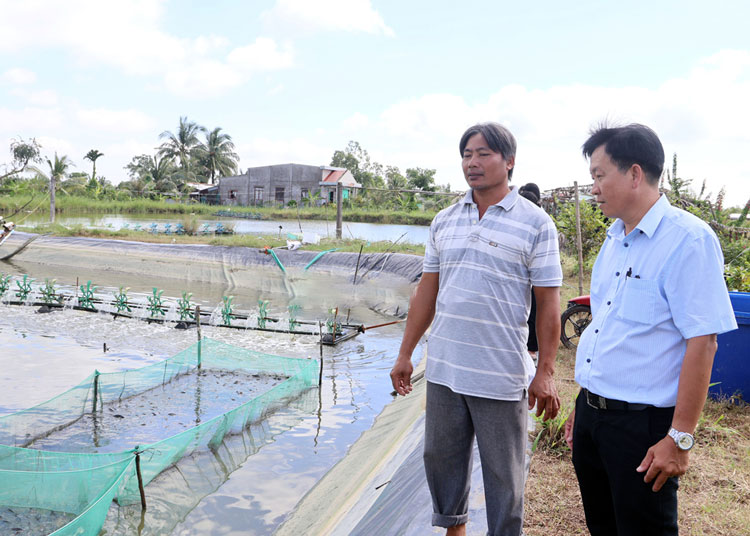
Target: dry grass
(714,496)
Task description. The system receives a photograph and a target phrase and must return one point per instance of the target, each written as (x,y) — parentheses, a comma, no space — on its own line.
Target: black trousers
(608,445)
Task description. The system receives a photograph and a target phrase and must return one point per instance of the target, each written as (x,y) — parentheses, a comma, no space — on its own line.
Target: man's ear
(637,175)
(511,162)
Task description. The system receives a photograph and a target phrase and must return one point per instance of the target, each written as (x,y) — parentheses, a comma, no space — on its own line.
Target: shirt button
(626,244)
(596,331)
(609,303)
(617,274)
(588,361)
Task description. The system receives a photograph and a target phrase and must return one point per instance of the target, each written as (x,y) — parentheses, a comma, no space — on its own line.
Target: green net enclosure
(62,462)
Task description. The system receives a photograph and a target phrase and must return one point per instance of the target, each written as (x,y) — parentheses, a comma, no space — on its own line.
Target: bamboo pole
(356,270)
(198,325)
(96,390)
(579,242)
(140,477)
(320,373)
(339,209)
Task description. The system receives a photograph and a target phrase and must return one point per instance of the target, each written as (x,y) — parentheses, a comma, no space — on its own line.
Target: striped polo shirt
(477,343)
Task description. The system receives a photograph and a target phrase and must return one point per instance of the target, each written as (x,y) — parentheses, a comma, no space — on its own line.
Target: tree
(357,160)
(421,179)
(93,155)
(394,179)
(58,169)
(181,146)
(217,156)
(24,153)
(152,173)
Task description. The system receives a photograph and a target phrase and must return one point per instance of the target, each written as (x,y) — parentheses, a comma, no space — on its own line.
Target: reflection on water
(251,483)
(414,234)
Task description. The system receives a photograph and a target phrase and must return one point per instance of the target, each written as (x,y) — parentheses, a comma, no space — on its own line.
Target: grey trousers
(451,422)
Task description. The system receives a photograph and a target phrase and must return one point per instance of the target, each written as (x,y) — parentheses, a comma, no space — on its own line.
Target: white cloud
(129,35)
(263,55)
(19,76)
(29,121)
(46,97)
(703,117)
(122,121)
(325,15)
(265,151)
(355,122)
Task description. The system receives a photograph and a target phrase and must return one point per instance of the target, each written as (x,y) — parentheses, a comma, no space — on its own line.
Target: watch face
(685,442)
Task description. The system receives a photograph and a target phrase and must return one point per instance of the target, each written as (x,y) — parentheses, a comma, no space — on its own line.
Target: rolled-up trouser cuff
(439,520)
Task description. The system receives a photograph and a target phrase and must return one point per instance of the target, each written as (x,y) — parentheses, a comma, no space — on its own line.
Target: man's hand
(569,429)
(401,376)
(662,461)
(543,393)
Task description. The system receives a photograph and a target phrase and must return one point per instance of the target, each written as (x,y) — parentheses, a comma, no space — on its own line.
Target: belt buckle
(601,402)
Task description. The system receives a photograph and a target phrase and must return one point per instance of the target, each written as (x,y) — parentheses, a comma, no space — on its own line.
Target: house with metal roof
(279,184)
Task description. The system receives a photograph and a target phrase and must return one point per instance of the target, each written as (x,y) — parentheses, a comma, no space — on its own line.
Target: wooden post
(140,477)
(198,325)
(52,180)
(320,373)
(579,242)
(96,390)
(356,270)
(339,209)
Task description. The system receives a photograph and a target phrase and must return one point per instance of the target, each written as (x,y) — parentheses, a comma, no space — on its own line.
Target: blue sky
(295,80)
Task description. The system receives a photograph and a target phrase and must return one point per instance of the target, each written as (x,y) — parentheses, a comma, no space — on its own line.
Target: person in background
(658,300)
(531,192)
(483,255)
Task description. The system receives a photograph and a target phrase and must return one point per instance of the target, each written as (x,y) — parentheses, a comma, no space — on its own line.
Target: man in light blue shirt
(658,300)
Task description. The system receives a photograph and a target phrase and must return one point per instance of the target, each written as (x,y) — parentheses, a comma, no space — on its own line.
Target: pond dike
(383,280)
(379,487)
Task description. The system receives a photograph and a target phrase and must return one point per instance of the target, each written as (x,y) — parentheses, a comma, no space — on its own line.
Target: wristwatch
(683,440)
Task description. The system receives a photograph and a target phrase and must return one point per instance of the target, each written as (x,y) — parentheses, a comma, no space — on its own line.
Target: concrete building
(279,184)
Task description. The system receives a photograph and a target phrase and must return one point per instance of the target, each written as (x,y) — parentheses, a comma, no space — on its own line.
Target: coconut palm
(92,155)
(58,169)
(181,146)
(217,156)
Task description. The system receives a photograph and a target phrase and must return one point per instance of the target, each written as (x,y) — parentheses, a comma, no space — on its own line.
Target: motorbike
(574,320)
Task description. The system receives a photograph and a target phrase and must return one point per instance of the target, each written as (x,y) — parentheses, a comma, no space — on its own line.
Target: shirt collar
(649,222)
(507,202)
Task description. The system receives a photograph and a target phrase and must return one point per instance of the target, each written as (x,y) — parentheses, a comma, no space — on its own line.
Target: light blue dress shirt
(651,290)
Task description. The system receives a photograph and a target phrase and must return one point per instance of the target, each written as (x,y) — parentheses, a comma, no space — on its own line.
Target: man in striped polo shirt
(484,254)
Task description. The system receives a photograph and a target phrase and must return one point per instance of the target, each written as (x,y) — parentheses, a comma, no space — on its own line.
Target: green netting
(80,478)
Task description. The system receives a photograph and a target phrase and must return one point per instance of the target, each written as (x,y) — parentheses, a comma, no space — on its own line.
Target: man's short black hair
(628,145)
(499,139)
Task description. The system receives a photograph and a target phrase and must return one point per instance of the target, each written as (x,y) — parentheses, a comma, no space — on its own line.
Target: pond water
(252,482)
(414,234)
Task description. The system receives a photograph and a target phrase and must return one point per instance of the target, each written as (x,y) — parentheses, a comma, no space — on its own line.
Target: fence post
(579,242)
(198,325)
(140,477)
(339,209)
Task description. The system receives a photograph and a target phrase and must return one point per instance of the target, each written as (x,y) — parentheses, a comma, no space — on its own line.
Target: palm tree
(217,155)
(92,155)
(57,170)
(182,145)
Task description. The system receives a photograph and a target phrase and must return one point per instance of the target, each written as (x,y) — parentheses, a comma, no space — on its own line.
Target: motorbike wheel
(574,320)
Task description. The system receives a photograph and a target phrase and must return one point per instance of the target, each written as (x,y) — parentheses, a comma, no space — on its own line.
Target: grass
(72,204)
(714,496)
(236,240)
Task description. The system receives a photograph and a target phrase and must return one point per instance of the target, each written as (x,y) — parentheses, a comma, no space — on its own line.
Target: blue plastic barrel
(731,372)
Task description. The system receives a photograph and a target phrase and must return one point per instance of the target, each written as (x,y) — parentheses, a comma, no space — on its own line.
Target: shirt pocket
(640,301)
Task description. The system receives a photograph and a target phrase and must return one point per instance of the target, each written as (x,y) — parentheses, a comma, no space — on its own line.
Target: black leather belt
(599,402)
